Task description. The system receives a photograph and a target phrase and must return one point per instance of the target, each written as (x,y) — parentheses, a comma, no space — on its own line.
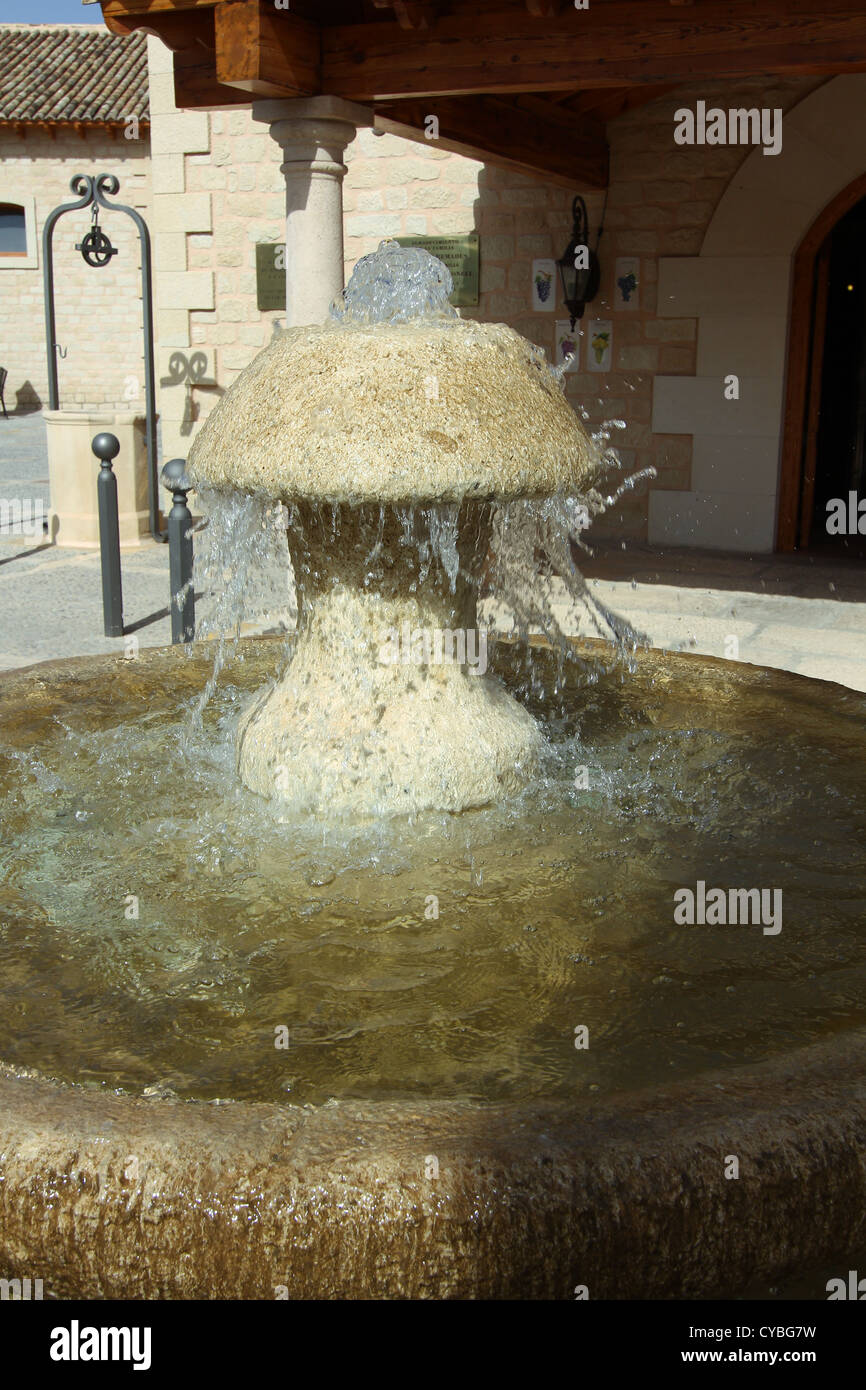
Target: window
(19,244)
(13,230)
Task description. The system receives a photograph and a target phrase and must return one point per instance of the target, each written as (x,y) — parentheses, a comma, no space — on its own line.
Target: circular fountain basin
(247,1055)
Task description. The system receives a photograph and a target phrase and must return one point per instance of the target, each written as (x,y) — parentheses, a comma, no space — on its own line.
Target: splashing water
(557,901)
(555,907)
(442,523)
(516,555)
(393,285)
(243,567)
(532,585)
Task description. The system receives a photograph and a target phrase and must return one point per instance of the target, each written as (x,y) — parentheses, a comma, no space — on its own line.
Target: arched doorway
(823,453)
(746,475)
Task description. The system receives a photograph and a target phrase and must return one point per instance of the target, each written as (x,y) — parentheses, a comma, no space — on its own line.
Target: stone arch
(739,289)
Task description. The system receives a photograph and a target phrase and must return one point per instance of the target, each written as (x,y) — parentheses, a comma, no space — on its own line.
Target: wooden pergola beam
(267,52)
(478,64)
(415,48)
(118,10)
(410,14)
(614,43)
(527,134)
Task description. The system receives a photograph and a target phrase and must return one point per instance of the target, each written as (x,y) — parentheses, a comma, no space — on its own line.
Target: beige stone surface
(697,405)
(74,469)
(349,731)
(626,1196)
(98,311)
(433,409)
(312,136)
(659,204)
(386,707)
(217,172)
(743,270)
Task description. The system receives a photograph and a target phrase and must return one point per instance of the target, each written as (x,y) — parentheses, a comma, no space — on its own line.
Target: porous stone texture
(367,417)
(347,729)
(106,1196)
(433,409)
(350,729)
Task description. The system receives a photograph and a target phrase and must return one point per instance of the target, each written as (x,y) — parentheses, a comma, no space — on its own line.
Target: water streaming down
(386,707)
(161,921)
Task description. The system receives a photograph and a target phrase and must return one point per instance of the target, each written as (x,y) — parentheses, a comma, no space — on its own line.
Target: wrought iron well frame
(91,191)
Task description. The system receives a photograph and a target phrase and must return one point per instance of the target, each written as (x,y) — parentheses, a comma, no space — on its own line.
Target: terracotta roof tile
(71,72)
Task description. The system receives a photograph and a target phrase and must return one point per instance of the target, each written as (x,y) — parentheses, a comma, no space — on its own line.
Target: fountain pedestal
(391,432)
(386,706)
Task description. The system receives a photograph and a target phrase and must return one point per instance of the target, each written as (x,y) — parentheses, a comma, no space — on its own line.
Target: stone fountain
(283,1039)
(392,416)
(382,429)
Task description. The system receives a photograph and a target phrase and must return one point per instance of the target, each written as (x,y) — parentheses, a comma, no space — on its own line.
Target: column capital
(275,110)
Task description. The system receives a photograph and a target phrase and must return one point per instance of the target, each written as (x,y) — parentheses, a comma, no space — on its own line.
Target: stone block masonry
(210,186)
(218,193)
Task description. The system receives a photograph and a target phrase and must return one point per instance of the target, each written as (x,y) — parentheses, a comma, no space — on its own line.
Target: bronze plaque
(271,275)
(461,255)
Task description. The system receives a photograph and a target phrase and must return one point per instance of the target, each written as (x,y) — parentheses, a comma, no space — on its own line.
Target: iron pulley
(95,246)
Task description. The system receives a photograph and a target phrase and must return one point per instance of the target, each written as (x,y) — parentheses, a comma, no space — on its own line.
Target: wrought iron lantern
(579,269)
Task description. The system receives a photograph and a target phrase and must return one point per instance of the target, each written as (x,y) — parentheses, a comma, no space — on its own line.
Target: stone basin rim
(592,646)
(312,1183)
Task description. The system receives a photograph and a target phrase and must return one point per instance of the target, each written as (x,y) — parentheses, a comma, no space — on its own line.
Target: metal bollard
(106,447)
(180,552)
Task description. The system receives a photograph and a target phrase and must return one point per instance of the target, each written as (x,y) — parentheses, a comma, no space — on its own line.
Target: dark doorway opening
(834,463)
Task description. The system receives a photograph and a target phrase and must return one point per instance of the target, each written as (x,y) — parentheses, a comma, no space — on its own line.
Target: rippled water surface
(159,923)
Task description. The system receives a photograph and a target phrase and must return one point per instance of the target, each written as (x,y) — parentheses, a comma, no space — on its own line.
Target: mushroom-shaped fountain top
(396,400)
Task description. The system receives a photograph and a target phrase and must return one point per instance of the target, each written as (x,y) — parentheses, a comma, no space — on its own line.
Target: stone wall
(217,191)
(660,202)
(98,311)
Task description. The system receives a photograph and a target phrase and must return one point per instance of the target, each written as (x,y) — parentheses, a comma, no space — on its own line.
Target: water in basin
(161,925)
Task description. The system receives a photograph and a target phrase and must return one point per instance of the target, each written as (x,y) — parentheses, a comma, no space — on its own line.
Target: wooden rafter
(545,9)
(605,103)
(411,14)
(424,48)
(523,133)
(479,64)
(615,43)
(266,52)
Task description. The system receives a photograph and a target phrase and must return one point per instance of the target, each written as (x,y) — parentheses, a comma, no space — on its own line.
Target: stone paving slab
(51,602)
(51,598)
(804,575)
(815,637)
(23,465)
(794,634)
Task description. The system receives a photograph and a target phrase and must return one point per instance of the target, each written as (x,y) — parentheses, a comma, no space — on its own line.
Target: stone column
(313,134)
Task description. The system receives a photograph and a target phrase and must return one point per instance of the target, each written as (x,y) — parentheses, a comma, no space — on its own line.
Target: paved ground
(51,598)
(800,613)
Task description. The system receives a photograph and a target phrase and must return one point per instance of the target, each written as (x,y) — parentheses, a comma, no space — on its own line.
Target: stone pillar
(313,134)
